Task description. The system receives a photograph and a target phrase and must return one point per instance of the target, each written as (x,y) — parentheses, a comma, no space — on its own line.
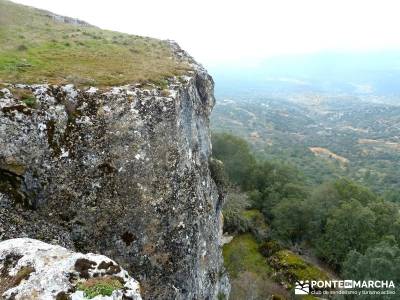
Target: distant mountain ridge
(366,73)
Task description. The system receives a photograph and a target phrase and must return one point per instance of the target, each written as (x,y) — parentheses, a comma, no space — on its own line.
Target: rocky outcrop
(121,171)
(30,269)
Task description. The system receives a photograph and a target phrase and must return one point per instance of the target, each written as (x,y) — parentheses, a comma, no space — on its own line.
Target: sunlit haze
(218,32)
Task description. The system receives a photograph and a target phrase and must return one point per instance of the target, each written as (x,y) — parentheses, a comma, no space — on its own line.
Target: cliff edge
(118,170)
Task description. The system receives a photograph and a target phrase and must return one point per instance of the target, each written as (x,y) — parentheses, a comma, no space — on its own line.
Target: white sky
(224,31)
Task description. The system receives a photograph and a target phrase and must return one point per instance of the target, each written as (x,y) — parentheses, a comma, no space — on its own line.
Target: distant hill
(325,137)
(359,74)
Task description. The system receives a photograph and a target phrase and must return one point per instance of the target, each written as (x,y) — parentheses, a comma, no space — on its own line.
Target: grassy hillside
(36,47)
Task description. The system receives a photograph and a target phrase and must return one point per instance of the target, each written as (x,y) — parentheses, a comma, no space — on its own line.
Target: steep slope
(117,170)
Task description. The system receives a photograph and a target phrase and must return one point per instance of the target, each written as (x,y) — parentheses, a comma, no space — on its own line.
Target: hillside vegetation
(40,47)
(312,231)
(335,138)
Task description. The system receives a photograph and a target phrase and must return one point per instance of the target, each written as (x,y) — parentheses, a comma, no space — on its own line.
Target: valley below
(326,137)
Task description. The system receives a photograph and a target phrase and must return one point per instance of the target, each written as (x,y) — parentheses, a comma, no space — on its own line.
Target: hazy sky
(226,31)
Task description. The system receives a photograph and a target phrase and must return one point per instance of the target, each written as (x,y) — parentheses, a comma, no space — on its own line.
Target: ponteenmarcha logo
(302,287)
(305,287)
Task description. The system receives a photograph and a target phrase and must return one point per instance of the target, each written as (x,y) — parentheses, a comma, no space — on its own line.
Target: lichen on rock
(30,269)
(122,171)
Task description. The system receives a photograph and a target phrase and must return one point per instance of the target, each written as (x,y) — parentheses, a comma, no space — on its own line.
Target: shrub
(292,267)
(234,221)
(30,101)
(218,173)
(103,286)
(270,248)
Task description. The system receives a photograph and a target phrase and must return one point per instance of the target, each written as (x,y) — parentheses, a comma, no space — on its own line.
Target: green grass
(242,255)
(25,96)
(100,286)
(295,267)
(249,272)
(31,102)
(36,49)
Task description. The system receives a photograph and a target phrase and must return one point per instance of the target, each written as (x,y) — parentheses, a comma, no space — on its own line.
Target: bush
(218,173)
(350,226)
(103,286)
(380,262)
(234,221)
(235,153)
(269,248)
(290,219)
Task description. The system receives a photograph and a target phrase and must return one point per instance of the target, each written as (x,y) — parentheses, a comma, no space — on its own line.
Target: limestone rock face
(30,269)
(121,171)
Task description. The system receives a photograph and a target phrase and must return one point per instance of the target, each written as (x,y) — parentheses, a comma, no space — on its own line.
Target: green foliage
(235,204)
(26,96)
(256,223)
(242,254)
(380,262)
(350,226)
(335,218)
(30,101)
(239,218)
(387,217)
(218,174)
(292,267)
(274,182)
(235,154)
(291,219)
(285,129)
(269,248)
(249,272)
(346,216)
(100,286)
(221,296)
(392,195)
(348,189)
(323,199)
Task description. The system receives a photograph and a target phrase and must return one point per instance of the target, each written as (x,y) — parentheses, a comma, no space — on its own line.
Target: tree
(234,152)
(350,227)
(291,219)
(323,200)
(348,189)
(387,214)
(274,182)
(380,262)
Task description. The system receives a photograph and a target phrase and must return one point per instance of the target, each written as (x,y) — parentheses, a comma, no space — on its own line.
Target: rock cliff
(121,171)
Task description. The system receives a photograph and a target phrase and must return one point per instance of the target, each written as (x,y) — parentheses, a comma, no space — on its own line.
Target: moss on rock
(292,267)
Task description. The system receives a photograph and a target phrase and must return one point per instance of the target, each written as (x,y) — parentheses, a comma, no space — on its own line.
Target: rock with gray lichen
(31,269)
(122,171)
